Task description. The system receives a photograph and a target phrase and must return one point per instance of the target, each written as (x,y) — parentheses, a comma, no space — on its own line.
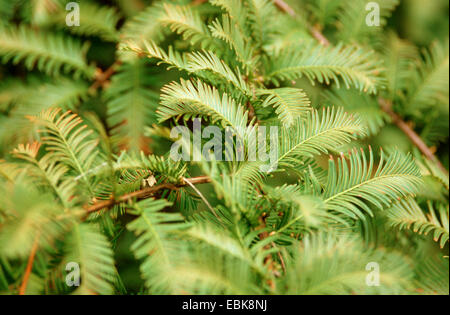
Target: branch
(315,32)
(283,6)
(198,2)
(280,256)
(26,277)
(102,77)
(145,193)
(386,106)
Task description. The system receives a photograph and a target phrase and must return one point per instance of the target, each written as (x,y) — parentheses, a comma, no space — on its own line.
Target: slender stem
(283,6)
(202,197)
(386,106)
(26,277)
(280,256)
(145,193)
(102,77)
(198,2)
(315,32)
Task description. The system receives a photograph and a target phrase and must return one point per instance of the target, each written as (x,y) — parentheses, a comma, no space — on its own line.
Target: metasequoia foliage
(359,177)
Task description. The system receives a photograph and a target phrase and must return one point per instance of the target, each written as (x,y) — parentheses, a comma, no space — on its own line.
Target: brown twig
(26,277)
(386,106)
(198,2)
(280,256)
(199,193)
(145,193)
(283,6)
(102,77)
(315,32)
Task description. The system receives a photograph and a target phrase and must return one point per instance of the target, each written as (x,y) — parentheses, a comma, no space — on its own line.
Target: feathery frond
(353,66)
(185,21)
(316,134)
(407,214)
(227,31)
(216,70)
(95,20)
(27,221)
(326,265)
(131,104)
(290,103)
(49,172)
(430,81)
(70,143)
(156,233)
(357,184)
(274,104)
(364,106)
(145,25)
(188,99)
(49,53)
(400,57)
(353,16)
(90,249)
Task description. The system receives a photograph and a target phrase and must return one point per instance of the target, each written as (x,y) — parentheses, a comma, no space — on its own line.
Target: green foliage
(189,99)
(408,214)
(430,87)
(86,174)
(290,103)
(70,143)
(49,53)
(316,134)
(352,20)
(129,104)
(349,182)
(154,231)
(331,266)
(352,65)
(92,250)
(100,21)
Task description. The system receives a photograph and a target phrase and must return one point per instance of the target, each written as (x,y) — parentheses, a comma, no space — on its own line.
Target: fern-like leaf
(352,19)
(366,107)
(407,214)
(95,20)
(70,143)
(131,104)
(354,66)
(399,56)
(186,21)
(209,66)
(290,103)
(90,249)
(315,135)
(430,81)
(326,265)
(227,31)
(145,25)
(28,220)
(356,184)
(49,172)
(156,232)
(188,99)
(49,53)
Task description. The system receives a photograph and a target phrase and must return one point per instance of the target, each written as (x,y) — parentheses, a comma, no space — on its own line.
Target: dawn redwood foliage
(355,201)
